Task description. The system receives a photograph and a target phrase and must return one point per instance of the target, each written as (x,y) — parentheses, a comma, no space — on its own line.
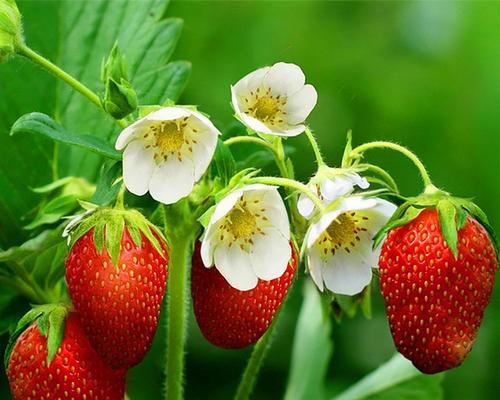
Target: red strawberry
(230,318)
(434,300)
(76,371)
(119,301)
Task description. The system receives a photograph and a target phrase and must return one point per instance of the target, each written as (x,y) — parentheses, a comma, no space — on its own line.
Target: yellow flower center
(342,233)
(266,107)
(241,223)
(169,136)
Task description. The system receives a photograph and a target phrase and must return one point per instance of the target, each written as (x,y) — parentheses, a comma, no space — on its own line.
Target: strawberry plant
(141,213)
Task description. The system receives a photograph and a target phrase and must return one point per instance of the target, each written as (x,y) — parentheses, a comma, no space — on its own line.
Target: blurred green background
(424,74)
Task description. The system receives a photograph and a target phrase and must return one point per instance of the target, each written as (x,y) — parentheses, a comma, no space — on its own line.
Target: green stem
(178,286)
(249,139)
(247,383)
(383,174)
(63,75)
(315,147)
(358,151)
(289,183)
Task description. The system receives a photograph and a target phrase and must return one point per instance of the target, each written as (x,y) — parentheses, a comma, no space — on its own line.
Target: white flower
(274,100)
(248,237)
(167,152)
(330,188)
(339,245)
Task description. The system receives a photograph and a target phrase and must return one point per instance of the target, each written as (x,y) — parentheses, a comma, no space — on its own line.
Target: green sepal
(50,320)
(204,220)
(347,148)
(224,162)
(447,212)
(109,224)
(143,111)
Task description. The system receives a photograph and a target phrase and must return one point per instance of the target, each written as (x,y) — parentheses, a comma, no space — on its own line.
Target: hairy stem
(383,174)
(315,147)
(178,286)
(358,151)
(249,139)
(63,75)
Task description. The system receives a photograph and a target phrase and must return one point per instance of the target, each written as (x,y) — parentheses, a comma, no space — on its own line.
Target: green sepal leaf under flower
(50,319)
(108,225)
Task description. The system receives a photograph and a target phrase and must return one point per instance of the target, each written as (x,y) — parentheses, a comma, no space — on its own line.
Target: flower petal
(332,189)
(168,114)
(315,267)
(271,253)
(284,78)
(305,205)
(316,229)
(300,104)
(288,130)
(138,167)
(235,266)
(172,180)
(346,274)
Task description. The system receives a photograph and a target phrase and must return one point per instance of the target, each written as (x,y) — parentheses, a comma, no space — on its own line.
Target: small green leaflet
(57,323)
(41,124)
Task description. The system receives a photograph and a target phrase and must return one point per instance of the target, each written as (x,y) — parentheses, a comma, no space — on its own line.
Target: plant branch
(63,75)
(315,147)
(249,139)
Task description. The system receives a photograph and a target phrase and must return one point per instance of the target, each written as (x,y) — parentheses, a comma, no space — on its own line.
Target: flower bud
(10,28)
(120,98)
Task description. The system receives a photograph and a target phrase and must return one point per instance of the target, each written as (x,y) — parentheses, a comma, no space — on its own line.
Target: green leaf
(312,348)
(107,186)
(53,211)
(396,379)
(41,124)
(447,220)
(12,307)
(224,162)
(57,184)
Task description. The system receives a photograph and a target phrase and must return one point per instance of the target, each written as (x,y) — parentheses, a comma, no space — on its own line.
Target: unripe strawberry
(119,300)
(230,318)
(75,372)
(435,299)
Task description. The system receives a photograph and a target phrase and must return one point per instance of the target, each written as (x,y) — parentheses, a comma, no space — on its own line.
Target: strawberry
(116,274)
(230,318)
(437,269)
(74,371)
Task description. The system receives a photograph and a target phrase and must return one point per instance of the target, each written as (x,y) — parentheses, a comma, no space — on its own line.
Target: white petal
(128,134)
(284,78)
(254,124)
(346,274)
(305,205)
(300,104)
(235,266)
(225,205)
(315,266)
(203,152)
(356,203)
(251,80)
(377,216)
(168,114)
(172,180)
(207,248)
(332,189)
(138,167)
(288,130)
(359,181)
(275,208)
(270,254)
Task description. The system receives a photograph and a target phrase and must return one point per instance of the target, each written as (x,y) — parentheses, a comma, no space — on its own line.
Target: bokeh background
(424,74)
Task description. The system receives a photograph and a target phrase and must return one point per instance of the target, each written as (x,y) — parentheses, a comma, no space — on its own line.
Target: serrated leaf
(312,348)
(447,220)
(395,380)
(40,124)
(113,238)
(57,318)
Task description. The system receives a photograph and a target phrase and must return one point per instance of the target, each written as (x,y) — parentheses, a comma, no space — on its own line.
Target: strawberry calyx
(108,225)
(51,319)
(452,212)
